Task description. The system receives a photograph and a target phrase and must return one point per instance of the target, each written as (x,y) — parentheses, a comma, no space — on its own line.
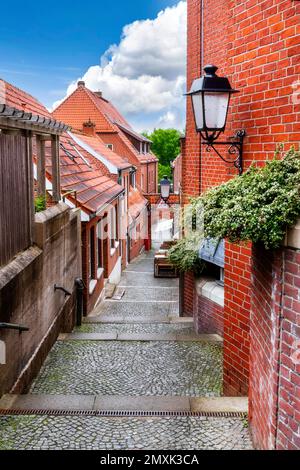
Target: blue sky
(44,50)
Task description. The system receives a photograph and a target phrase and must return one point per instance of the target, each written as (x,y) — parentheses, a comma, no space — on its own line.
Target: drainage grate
(124,413)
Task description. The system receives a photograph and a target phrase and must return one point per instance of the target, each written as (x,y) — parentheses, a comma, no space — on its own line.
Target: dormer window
(133,179)
(110,146)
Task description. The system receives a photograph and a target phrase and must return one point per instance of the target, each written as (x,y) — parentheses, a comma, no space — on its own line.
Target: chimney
(88,128)
(81,83)
(98,93)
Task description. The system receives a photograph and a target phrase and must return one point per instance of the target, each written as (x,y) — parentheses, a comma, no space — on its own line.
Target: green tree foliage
(166,145)
(164,170)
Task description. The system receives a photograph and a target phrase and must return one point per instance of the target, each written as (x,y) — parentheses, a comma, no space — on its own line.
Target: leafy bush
(40,204)
(184,256)
(257,206)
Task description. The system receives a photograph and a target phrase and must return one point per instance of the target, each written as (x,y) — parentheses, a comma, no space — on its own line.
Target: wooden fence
(15,196)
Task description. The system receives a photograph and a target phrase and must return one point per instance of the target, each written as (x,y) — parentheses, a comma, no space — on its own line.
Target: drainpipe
(201,68)
(147,177)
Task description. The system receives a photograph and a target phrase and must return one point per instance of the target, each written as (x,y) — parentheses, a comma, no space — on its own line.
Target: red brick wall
(208,316)
(188,294)
(275,332)
(149,177)
(236,319)
(177,174)
(256,44)
(211,172)
(288,433)
(264,64)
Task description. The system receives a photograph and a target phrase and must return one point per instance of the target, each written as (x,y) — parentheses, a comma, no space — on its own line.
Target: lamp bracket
(234,144)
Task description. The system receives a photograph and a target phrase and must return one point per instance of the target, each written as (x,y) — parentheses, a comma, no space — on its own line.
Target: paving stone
(147,375)
(91,336)
(139,280)
(97,433)
(126,319)
(123,309)
(132,368)
(220,404)
(142,403)
(136,328)
(49,402)
(151,294)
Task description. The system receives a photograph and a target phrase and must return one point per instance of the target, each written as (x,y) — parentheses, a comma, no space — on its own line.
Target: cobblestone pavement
(132,368)
(154,328)
(130,310)
(137,279)
(170,433)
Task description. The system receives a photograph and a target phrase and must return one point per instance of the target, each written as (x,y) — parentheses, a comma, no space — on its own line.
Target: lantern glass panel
(198,110)
(165,189)
(215,109)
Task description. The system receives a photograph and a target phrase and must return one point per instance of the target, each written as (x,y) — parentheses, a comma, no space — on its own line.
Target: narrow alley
(134,356)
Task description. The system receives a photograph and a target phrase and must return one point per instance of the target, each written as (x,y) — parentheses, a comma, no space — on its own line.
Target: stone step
(126,319)
(146,280)
(123,403)
(136,327)
(109,290)
(114,336)
(136,308)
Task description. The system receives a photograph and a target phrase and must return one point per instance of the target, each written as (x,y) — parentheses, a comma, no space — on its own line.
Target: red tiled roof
(98,146)
(83,104)
(93,189)
(16,98)
(137,203)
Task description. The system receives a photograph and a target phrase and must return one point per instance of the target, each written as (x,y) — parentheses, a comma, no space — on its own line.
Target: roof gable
(79,107)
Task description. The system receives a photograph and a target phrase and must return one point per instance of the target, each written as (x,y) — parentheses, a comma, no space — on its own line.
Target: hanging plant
(185,256)
(258,206)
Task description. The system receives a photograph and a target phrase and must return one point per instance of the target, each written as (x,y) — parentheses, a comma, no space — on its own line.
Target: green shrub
(184,256)
(40,203)
(257,206)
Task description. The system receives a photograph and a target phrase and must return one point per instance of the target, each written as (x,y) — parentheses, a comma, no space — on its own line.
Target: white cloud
(144,76)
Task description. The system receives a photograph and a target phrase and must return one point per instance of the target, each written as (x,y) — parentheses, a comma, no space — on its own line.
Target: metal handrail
(11,326)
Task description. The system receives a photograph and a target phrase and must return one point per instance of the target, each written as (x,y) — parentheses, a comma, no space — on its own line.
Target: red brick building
(256,44)
(89,180)
(84,107)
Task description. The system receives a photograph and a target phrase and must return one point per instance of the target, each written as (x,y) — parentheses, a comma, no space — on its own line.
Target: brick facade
(208,316)
(255,44)
(93,272)
(275,359)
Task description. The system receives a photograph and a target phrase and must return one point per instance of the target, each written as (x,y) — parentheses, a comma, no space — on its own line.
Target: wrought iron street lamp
(165,187)
(210,98)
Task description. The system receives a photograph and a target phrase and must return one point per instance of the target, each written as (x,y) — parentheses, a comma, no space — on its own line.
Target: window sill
(210,289)
(92,286)
(100,272)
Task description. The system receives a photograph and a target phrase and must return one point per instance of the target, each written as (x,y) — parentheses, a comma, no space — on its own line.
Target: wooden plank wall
(15,197)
